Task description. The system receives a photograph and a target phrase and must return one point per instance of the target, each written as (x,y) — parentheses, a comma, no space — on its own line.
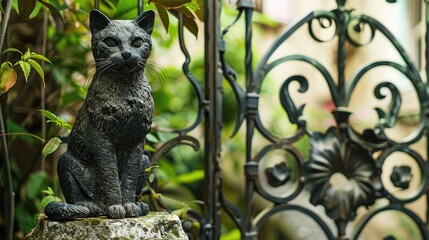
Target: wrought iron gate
(359,156)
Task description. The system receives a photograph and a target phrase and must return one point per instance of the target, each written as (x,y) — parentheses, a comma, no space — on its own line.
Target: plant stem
(9,195)
(22,133)
(7,7)
(42,86)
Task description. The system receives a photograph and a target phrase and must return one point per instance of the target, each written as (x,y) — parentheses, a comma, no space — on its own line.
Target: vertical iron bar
(341,56)
(426,3)
(213,116)
(249,55)
(139,7)
(251,112)
(97,4)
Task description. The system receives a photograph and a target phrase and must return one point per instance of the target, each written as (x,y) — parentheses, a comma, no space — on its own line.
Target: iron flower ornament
(330,155)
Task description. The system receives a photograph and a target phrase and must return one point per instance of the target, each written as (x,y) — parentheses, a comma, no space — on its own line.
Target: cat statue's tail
(65,211)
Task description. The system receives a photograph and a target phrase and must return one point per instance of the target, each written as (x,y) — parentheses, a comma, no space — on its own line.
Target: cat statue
(101,171)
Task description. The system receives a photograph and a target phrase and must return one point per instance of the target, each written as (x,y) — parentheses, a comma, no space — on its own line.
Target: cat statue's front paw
(132,210)
(94,209)
(116,211)
(144,208)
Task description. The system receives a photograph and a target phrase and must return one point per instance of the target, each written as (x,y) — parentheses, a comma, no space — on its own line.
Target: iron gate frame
(342,136)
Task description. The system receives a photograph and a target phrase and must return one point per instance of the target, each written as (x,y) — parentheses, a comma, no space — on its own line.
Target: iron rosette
(333,153)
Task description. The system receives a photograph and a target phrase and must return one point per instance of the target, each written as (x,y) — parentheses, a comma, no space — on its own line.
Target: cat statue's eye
(110,42)
(138,42)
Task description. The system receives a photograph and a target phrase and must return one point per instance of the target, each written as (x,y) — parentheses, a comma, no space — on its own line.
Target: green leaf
(11,50)
(149,148)
(54,12)
(26,68)
(51,146)
(26,220)
(171,3)
(40,57)
(54,119)
(36,183)
(231,235)
(200,11)
(26,55)
(38,69)
(48,191)
(188,22)
(8,79)
(48,199)
(191,25)
(149,169)
(186,12)
(150,178)
(190,177)
(126,9)
(111,5)
(193,6)
(152,138)
(14,127)
(26,7)
(164,16)
(5,66)
(48,114)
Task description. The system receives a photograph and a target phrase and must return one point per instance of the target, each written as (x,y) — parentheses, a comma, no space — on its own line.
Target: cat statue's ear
(146,21)
(97,21)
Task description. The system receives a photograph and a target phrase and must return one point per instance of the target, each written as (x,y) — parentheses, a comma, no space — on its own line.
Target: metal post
(426,5)
(140,7)
(213,117)
(251,112)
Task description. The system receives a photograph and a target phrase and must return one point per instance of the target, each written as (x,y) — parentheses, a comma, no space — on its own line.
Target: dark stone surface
(155,225)
(101,172)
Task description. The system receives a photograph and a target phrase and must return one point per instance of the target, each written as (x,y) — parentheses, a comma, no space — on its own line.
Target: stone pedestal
(155,225)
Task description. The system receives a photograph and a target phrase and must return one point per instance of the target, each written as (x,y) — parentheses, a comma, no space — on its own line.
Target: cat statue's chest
(122,110)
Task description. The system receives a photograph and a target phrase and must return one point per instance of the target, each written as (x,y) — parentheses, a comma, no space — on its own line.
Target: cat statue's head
(121,46)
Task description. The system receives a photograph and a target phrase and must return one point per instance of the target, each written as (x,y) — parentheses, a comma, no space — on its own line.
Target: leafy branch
(52,118)
(54,143)
(180,7)
(26,7)
(50,197)
(27,62)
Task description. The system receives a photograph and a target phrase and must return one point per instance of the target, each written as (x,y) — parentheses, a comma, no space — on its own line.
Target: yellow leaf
(8,79)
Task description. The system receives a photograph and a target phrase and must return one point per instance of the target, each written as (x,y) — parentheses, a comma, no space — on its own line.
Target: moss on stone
(153,226)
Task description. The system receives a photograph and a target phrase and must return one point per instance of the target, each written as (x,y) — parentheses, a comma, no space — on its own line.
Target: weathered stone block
(155,225)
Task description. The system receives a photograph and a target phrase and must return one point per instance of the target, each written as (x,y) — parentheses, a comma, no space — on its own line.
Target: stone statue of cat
(101,172)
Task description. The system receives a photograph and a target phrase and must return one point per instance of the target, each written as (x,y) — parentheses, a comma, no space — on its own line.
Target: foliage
(50,197)
(26,7)
(27,62)
(51,146)
(52,118)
